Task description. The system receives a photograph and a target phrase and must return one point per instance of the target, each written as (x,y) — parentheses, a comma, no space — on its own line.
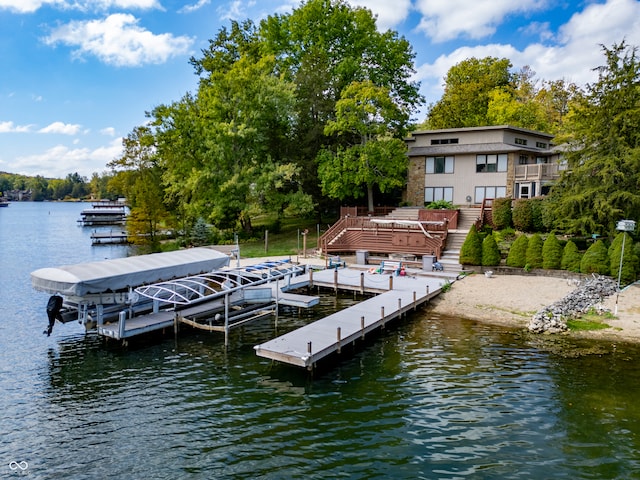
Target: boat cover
(123,273)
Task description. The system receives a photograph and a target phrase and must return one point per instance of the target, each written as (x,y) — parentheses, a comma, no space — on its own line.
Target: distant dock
(309,344)
(104,237)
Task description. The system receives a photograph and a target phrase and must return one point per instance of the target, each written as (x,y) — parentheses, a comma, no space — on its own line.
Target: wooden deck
(100,237)
(309,344)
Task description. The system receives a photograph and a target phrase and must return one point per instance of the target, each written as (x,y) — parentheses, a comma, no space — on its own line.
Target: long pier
(309,344)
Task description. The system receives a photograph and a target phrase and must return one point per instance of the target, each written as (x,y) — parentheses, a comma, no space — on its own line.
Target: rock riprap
(589,294)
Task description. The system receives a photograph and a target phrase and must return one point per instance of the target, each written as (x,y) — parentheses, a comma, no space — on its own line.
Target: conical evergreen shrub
(595,259)
(471,250)
(629,259)
(534,251)
(517,256)
(571,257)
(490,252)
(551,253)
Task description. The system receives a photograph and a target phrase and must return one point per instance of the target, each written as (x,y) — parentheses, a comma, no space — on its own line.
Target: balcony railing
(537,171)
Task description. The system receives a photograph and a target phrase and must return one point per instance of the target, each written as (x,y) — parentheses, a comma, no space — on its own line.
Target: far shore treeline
(309,110)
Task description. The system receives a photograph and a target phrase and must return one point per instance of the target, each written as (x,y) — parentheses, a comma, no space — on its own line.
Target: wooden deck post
(361,283)
(310,278)
(415,304)
(335,280)
(338,334)
(399,307)
(391,282)
(362,325)
(382,315)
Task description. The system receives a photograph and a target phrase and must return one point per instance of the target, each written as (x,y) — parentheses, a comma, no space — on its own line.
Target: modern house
(467,165)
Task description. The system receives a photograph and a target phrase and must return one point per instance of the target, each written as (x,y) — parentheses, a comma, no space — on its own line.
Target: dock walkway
(309,344)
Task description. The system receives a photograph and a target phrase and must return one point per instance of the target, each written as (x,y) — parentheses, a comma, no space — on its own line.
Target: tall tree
(139,175)
(324,46)
(467,92)
(368,117)
(600,185)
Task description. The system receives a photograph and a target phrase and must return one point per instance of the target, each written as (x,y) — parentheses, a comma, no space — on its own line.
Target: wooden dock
(309,344)
(99,237)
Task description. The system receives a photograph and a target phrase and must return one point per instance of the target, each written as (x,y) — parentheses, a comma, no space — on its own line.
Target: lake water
(429,397)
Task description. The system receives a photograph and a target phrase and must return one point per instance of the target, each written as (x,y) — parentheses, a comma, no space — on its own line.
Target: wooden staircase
(450,258)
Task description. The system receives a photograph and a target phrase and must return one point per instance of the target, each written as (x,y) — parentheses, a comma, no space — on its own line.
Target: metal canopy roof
(207,286)
(124,273)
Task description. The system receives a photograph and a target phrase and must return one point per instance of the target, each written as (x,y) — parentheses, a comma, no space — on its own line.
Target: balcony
(537,172)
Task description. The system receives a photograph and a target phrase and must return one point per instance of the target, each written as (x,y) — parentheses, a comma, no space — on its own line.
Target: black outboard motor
(54,305)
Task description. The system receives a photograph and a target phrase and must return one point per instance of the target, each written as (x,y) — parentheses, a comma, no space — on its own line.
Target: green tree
(467,92)
(490,251)
(571,257)
(522,215)
(599,186)
(534,251)
(517,256)
(501,213)
(471,249)
(596,259)
(551,253)
(138,174)
(324,47)
(369,118)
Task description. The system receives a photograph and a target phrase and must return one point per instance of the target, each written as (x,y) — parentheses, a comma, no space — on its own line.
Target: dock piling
(121,323)
(338,333)
(362,326)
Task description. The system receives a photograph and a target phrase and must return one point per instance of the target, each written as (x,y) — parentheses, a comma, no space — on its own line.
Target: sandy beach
(513,299)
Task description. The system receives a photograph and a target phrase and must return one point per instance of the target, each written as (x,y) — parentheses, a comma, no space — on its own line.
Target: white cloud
(61,128)
(9,127)
(194,7)
(108,131)
(444,20)
(235,10)
(25,6)
(389,13)
(118,40)
(573,58)
(59,161)
(30,6)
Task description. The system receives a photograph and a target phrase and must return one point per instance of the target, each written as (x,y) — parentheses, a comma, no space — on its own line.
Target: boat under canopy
(121,274)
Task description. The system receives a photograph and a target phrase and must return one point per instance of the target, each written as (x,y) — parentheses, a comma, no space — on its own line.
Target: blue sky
(78,75)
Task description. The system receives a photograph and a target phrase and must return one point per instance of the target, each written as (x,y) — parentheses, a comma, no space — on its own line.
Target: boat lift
(223,299)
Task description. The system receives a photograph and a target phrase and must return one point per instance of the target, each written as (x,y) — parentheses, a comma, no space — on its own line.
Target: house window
(433,194)
(491,163)
(523,159)
(439,165)
(521,141)
(443,141)
(541,145)
(540,160)
(489,192)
